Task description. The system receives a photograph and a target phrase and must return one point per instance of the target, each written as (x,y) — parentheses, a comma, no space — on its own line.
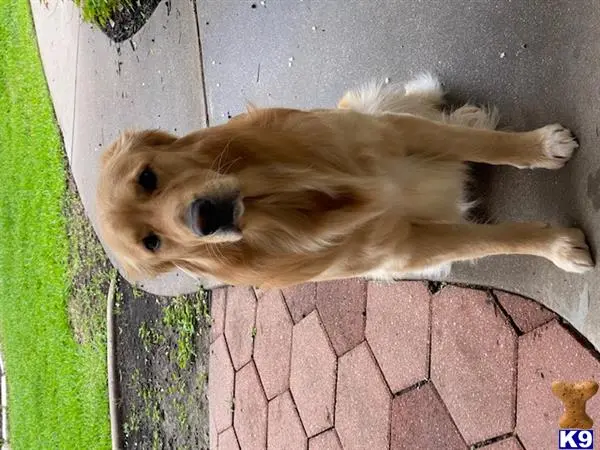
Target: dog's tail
(421,96)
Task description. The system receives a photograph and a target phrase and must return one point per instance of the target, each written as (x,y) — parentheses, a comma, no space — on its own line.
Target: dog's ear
(271,117)
(190,269)
(136,270)
(117,146)
(131,140)
(155,138)
(264,117)
(250,108)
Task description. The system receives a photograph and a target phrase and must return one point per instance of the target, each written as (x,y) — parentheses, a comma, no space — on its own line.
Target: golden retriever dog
(375,187)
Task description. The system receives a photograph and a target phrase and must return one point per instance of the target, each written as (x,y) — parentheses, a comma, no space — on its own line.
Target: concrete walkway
(197,62)
(538,61)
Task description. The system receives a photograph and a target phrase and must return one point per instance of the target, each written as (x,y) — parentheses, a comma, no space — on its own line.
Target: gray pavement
(539,61)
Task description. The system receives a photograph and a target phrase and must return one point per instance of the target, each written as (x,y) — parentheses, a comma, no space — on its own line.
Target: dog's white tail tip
(424,83)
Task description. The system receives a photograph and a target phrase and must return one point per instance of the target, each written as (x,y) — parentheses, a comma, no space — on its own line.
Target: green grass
(99,11)
(56,383)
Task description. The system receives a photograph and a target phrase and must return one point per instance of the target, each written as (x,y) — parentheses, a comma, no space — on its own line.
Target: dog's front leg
(549,147)
(430,245)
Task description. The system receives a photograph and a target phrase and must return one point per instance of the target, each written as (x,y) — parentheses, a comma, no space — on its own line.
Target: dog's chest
(427,190)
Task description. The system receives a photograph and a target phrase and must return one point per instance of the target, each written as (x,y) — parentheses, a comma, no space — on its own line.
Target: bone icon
(574,397)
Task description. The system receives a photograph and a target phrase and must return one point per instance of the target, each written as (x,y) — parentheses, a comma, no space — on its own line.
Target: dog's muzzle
(206,216)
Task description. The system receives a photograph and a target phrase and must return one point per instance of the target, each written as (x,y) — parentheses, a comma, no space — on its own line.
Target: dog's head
(243,202)
(160,198)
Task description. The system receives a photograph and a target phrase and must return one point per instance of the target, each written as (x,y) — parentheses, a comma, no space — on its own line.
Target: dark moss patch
(125,22)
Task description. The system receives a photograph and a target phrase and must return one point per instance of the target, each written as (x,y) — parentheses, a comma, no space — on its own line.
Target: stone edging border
(3,405)
(113,388)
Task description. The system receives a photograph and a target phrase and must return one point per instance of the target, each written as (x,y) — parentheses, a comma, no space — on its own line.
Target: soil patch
(162,357)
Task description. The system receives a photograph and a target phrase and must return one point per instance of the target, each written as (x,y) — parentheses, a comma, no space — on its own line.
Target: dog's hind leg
(430,245)
(549,147)
(474,117)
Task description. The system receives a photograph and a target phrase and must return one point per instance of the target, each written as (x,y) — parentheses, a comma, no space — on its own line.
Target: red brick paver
(548,354)
(341,305)
(250,418)
(239,324)
(220,386)
(473,362)
(273,343)
(526,313)
(228,440)
(399,342)
(362,410)
(285,429)
(313,372)
(345,365)
(506,444)
(419,416)
(301,300)
(328,440)
(217,313)
(213,436)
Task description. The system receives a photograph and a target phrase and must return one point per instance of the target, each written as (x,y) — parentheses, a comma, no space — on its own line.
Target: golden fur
(374,188)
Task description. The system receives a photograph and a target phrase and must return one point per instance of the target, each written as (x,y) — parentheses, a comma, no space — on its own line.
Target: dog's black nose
(209,215)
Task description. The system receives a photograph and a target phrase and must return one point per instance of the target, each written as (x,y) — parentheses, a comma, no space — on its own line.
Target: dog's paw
(558,145)
(570,252)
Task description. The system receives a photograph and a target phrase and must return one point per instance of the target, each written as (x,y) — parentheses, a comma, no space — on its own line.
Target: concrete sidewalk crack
(201,56)
(75,94)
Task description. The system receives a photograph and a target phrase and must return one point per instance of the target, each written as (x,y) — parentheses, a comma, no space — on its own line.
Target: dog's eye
(151,242)
(147,180)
